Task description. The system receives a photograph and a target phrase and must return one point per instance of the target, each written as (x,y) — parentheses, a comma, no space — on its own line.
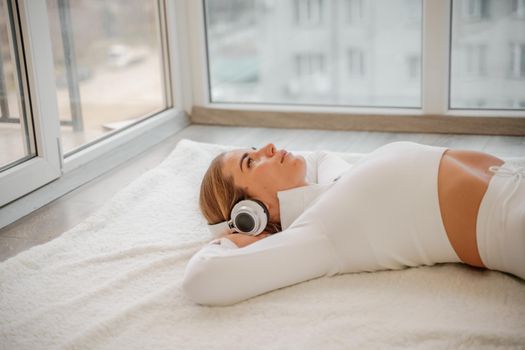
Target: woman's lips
(284,155)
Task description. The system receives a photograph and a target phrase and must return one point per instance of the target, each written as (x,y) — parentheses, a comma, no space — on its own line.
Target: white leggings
(500,223)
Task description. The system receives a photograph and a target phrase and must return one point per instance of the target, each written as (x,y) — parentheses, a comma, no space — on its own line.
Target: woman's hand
(242,240)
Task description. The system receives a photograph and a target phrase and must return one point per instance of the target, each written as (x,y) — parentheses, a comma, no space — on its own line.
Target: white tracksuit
(381,213)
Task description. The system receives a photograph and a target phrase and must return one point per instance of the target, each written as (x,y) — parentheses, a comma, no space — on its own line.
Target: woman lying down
(282,218)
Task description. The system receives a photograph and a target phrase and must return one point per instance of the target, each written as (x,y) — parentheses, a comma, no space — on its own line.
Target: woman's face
(265,171)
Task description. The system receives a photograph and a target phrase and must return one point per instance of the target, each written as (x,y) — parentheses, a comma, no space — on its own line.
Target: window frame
(186,56)
(435,78)
(23,187)
(39,88)
(172,93)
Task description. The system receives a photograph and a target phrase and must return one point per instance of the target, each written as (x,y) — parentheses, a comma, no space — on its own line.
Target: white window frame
(46,165)
(174,93)
(190,87)
(435,83)
(68,173)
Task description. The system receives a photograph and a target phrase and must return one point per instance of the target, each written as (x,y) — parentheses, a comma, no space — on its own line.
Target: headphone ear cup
(250,216)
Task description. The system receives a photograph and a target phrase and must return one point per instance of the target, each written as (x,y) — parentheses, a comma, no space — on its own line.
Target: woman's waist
(463,179)
(464,176)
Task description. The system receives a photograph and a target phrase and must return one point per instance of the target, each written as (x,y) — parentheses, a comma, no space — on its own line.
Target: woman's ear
(272,205)
(267,205)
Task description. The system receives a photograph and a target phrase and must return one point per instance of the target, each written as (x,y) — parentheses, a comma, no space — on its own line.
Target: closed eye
(249,161)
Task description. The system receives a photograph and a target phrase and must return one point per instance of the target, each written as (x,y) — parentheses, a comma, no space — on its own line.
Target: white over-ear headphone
(248,216)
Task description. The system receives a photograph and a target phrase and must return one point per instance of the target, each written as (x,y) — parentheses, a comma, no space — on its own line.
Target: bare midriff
(463,179)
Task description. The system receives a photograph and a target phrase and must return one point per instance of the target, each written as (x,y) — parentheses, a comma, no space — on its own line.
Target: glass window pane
(323,52)
(108,65)
(16,136)
(488,54)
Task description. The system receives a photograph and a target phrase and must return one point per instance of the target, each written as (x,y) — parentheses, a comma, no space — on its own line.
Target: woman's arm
(220,274)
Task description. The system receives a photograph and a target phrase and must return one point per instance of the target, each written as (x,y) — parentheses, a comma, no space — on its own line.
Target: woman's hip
(500,226)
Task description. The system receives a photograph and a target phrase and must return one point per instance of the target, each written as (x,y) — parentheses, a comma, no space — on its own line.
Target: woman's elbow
(195,288)
(206,288)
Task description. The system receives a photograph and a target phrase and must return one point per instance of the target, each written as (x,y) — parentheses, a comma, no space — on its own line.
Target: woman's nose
(269,150)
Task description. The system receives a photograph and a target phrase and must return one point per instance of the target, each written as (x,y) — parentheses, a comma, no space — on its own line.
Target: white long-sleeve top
(382,213)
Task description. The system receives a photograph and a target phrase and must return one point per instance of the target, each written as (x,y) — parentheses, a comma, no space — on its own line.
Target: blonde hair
(218,195)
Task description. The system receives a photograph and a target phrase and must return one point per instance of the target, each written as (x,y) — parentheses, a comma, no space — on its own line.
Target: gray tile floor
(64,213)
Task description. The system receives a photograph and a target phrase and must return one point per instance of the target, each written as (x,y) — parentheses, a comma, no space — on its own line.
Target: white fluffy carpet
(114,282)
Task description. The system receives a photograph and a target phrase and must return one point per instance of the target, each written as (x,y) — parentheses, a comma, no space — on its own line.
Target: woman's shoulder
(324,166)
